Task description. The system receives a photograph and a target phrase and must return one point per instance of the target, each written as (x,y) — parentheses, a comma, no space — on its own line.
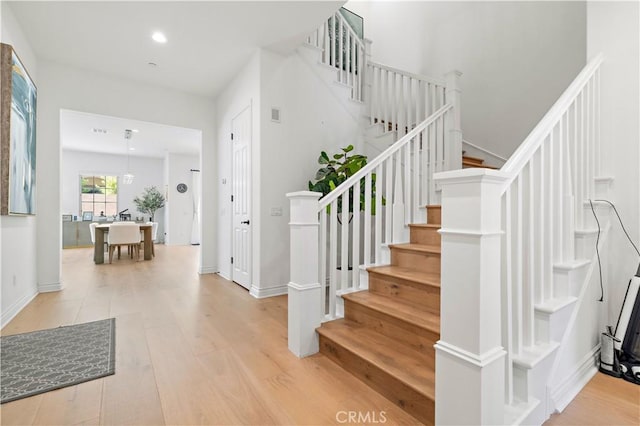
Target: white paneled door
(241,198)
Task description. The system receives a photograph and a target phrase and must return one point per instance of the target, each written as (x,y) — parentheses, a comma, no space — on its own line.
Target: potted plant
(150,201)
(339,168)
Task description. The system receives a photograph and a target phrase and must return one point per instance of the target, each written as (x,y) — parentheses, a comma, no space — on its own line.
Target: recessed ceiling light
(135,130)
(159,37)
(131,148)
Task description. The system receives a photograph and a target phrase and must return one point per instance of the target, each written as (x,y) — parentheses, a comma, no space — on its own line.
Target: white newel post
(454,131)
(470,361)
(304,290)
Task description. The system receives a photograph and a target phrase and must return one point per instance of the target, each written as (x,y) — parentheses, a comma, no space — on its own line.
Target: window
(99,195)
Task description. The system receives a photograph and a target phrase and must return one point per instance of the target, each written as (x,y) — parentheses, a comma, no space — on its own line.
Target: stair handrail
(433,80)
(370,166)
(532,142)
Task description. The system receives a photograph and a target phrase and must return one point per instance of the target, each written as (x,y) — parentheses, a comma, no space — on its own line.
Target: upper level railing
(344,50)
(400,99)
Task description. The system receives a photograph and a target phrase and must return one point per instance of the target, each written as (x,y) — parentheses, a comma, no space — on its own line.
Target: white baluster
(367,219)
(333,257)
(355,240)
(388,179)
(344,244)
(322,273)
(378,217)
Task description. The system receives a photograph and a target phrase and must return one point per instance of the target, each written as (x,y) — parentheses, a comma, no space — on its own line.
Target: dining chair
(124,234)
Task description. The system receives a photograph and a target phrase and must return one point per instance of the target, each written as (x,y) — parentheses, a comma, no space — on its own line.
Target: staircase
(511,288)
(387,334)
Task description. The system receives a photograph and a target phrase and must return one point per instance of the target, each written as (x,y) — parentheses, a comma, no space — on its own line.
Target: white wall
(19,280)
(243,91)
(147,171)
(614,29)
(63,87)
(315,115)
(516,57)
(179,206)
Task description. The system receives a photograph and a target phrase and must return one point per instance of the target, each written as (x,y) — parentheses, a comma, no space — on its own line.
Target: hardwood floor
(190,349)
(197,349)
(604,401)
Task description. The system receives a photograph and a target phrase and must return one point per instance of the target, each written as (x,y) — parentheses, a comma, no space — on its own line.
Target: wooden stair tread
(472,159)
(414,369)
(425,225)
(422,248)
(470,164)
(407,274)
(397,308)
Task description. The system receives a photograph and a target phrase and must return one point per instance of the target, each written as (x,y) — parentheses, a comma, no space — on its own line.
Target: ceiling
(151,140)
(208,41)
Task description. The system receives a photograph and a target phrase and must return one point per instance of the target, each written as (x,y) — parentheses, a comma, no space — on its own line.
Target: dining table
(102,229)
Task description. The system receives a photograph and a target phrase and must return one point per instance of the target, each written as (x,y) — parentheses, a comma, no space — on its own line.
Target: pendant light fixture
(127,178)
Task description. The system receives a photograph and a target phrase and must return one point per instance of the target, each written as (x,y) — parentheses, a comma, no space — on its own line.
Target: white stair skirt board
(260,293)
(15,308)
(562,394)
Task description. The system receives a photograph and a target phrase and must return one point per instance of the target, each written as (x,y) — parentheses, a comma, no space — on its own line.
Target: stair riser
(418,294)
(421,261)
(434,215)
(413,402)
(417,337)
(427,236)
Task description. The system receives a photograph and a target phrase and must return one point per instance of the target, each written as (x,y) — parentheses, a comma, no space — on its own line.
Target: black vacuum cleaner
(620,351)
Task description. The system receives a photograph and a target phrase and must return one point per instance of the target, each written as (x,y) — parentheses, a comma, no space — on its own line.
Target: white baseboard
(562,394)
(47,288)
(207,270)
(15,308)
(224,276)
(260,293)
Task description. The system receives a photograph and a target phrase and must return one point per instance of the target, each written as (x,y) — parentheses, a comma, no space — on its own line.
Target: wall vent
(275,114)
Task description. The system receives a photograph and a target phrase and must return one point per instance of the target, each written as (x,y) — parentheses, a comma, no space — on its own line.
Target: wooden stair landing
(387,335)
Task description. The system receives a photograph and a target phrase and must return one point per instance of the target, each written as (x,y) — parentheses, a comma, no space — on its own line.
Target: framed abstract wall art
(18,98)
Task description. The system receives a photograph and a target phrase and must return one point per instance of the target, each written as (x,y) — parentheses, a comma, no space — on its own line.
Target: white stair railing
(342,49)
(550,178)
(390,191)
(332,238)
(400,99)
(511,228)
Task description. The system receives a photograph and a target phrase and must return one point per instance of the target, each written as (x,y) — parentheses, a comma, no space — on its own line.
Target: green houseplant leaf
(335,172)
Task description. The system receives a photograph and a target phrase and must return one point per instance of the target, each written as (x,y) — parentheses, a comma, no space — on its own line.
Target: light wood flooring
(197,349)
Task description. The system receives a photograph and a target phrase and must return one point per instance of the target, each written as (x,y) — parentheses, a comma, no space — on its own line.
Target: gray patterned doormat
(42,361)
